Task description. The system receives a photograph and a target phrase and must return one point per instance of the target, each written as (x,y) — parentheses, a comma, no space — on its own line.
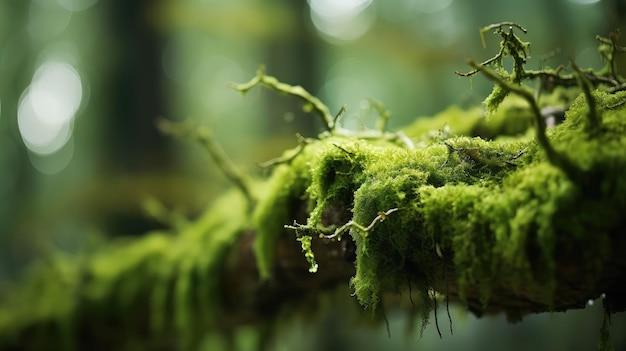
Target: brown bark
(247,299)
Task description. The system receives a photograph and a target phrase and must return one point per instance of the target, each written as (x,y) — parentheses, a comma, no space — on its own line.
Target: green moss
(175,276)
(512,118)
(273,212)
(458,121)
(500,209)
(284,192)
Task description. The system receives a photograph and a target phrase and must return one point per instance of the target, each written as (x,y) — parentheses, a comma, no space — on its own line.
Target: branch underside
(293,281)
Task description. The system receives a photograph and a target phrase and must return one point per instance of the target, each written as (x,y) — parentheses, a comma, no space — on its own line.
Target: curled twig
(498,26)
(305,234)
(310,101)
(302,143)
(352,224)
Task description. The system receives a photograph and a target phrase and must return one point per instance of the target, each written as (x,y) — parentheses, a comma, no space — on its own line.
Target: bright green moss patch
(499,209)
(512,119)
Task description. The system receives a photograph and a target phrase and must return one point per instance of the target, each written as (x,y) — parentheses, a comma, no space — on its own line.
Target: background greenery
(83,81)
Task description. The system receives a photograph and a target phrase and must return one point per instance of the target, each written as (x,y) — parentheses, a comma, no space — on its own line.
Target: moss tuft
(498,208)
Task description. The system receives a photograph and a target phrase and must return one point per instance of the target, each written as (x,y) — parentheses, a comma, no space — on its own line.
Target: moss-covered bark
(476,217)
(498,225)
(492,224)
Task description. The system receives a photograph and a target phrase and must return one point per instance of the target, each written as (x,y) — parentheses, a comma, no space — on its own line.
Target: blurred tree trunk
(132,145)
(295,55)
(138,96)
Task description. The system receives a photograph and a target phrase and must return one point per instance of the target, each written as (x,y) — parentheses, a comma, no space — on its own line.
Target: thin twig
(553,156)
(206,139)
(273,83)
(592,114)
(302,143)
(342,110)
(352,224)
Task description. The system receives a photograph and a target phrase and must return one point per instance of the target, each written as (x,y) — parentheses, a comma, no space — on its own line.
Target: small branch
(206,139)
(302,143)
(305,234)
(487,62)
(608,48)
(499,25)
(342,110)
(510,45)
(553,156)
(311,102)
(554,78)
(352,224)
(592,114)
(433,296)
(383,114)
(342,149)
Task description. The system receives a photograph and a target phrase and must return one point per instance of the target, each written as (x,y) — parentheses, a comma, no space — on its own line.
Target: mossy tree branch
(494,235)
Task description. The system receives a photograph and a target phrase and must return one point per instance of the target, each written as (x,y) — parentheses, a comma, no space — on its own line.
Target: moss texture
(500,210)
(165,284)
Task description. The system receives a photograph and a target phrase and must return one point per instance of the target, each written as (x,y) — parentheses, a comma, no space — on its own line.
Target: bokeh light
(53,163)
(47,108)
(47,19)
(341,20)
(584,2)
(56,92)
(77,5)
(39,134)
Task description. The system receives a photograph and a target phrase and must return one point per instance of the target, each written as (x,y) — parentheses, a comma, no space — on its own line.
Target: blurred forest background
(83,81)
